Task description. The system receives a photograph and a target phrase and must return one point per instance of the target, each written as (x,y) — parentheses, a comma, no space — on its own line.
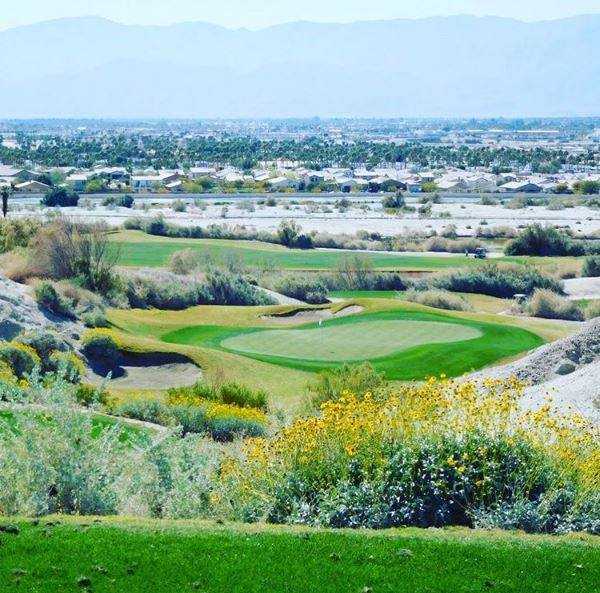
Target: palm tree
(5,193)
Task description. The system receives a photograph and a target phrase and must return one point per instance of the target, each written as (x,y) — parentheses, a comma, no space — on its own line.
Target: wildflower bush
(443,453)
(21,358)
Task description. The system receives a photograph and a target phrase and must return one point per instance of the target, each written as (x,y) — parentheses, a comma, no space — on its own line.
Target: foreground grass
(160,556)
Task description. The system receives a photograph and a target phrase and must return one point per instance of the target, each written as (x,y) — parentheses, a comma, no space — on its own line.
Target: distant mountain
(454,66)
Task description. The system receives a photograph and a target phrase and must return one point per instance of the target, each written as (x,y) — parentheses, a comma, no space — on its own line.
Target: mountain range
(437,67)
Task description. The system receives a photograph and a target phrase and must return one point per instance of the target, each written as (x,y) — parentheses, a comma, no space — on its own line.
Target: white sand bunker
(147,371)
(312,315)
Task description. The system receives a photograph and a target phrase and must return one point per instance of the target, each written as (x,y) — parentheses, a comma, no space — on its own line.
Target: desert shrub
(100,346)
(440,453)
(60,196)
(332,384)
(496,232)
(68,366)
(178,206)
(7,376)
(222,422)
(21,358)
(500,280)
(591,266)
(184,262)
(290,234)
(65,250)
(439,299)
(164,291)
(156,226)
(125,201)
(46,344)
(394,202)
(227,288)
(146,410)
(96,317)
(16,232)
(90,395)
(543,241)
(134,224)
(304,287)
(549,305)
(227,393)
(592,310)
(48,298)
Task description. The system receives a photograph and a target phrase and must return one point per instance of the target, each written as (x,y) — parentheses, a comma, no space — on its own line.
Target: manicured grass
(140,250)
(167,557)
(415,362)
(350,341)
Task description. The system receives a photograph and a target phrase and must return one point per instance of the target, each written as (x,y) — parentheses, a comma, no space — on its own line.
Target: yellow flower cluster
(216,410)
(360,428)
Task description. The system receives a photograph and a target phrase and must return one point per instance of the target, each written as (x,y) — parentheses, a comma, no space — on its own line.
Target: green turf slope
(122,556)
(463,344)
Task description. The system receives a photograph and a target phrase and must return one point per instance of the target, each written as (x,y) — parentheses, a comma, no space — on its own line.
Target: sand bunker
(296,317)
(148,371)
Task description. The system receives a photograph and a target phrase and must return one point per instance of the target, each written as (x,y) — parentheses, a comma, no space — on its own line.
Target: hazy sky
(260,13)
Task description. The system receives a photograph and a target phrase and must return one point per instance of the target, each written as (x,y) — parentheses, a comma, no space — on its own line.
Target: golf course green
(404,344)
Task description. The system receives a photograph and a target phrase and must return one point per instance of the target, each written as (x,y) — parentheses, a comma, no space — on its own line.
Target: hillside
(485,66)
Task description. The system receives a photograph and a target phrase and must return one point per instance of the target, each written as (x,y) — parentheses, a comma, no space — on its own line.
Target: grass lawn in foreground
(120,555)
(403,351)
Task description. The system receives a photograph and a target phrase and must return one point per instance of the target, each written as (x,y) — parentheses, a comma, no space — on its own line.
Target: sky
(256,14)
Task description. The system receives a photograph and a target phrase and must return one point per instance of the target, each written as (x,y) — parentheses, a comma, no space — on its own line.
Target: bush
(592,311)
(16,232)
(500,280)
(307,287)
(120,201)
(227,393)
(543,241)
(68,366)
(45,344)
(184,262)
(21,358)
(65,250)
(439,299)
(591,266)
(331,385)
(226,288)
(89,395)
(549,305)
(178,206)
(48,298)
(60,196)
(95,318)
(99,346)
(394,202)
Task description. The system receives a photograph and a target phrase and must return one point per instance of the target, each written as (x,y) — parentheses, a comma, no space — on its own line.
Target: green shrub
(68,366)
(184,262)
(48,298)
(394,202)
(60,196)
(119,200)
(89,395)
(100,346)
(178,206)
(499,280)
(357,379)
(45,343)
(543,241)
(591,266)
(439,299)
(17,232)
(227,288)
(303,287)
(592,310)
(21,358)
(95,318)
(242,396)
(549,305)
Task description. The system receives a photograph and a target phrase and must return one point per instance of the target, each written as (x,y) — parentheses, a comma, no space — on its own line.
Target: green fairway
(140,250)
(446,344)
(350,341)
(117,555)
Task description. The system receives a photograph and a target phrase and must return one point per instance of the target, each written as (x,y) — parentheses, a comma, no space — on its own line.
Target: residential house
(32,187)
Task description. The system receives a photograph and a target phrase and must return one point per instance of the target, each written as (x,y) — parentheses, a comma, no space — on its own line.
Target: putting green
(356,341)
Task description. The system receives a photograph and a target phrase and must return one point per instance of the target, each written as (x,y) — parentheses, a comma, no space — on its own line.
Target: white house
(145,183)
(282,183)
(32,187)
